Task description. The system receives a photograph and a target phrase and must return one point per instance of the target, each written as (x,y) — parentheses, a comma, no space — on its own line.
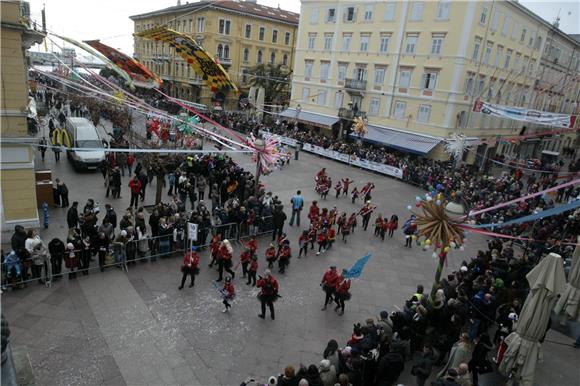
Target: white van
(84,134)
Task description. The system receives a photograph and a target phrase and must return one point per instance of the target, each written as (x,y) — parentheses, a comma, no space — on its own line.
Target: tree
(275,79)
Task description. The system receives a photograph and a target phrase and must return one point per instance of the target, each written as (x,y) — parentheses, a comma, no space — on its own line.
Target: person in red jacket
(268,293)
(253,244)
(252,270)
(345,184)
(328,284)
(282,240)
(303,243)
(285,256)
(190,267)
(384,228)
(271,255)
(366,212)
(393,224)
(330,237)
(214,248)
(135,186)
(245,258)
(378,224)
(228,293)
(312,236)
(225,259)
(342,292)
(321,239)
(314,211)
(341,221)
(338,188)
(130,162)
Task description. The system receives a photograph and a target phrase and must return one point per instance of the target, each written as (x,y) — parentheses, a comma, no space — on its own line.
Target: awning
(401,140)
(310,118)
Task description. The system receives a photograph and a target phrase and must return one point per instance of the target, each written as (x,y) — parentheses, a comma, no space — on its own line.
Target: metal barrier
(123,255)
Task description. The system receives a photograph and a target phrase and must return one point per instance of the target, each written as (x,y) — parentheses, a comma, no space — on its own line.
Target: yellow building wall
(18,192)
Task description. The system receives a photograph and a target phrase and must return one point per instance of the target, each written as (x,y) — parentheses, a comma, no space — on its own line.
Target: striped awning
(401,140)
(310,118)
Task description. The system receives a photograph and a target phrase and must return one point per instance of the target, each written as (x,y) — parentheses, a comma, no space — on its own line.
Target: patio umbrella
(546,281)
(570,300)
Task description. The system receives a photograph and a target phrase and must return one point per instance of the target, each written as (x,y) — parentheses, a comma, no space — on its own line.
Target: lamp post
(454,210)
(259,145)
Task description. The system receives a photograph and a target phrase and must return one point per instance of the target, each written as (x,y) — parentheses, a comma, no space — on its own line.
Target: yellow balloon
(427,242)
(446,249)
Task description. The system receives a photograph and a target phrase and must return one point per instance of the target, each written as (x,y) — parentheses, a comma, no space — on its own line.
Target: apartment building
(18,183)
(241,34)
(415,68)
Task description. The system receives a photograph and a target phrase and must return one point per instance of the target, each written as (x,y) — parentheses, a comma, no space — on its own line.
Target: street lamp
(259,145)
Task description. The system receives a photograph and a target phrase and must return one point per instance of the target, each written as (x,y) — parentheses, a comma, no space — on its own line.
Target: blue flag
(356,270)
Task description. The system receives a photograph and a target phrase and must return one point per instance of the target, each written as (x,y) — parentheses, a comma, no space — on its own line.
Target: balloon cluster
(269,153)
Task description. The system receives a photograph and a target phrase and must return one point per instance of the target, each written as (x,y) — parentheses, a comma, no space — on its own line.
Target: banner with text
(525,115)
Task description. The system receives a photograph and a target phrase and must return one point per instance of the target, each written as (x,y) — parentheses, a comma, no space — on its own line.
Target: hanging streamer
(502,236)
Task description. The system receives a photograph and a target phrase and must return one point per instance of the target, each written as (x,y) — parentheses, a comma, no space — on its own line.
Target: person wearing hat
(228,293)
(225,259)
(268,293)
(327,373)
(271,255)
(342,292)
(366,212)
(328,283)
(252,270)
(190,267)
(71,259)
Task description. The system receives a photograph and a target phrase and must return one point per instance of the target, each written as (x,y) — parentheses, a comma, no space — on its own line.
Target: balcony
(349,114)
(226,62)
(355,86)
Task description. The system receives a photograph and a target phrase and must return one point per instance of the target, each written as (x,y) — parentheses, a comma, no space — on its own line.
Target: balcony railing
(224,61)
(355,84)
(348,113)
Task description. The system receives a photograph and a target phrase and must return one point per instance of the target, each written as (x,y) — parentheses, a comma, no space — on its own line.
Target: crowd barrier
(341,157)
(122,256)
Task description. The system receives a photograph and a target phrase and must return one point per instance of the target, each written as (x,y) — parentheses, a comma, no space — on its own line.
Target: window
(436,43)
(360,73)
(224,26)
(538,43)
(368,12)
(226,52)
(390,9)
(182,70)
(324,67)
(305,94)
(190,26)
(262,33)
(274,36)
(379,76)
(273,58)
(498,55)
(321,98)
(338,98)
(405,78)
(429,80)
(483,16)
(350,14)
(494,21)
(246,54)
(517,62)
(487,53)
(506,25)
(346,38)
(287,38)
(531,40)
(311,40)
(374,106)
(248,31)
(178,25)
(314,16)
(523,35)
(417,11)
(384,47)
(508,57)
(308,64)
(411,43)
(476,49)
(220,51)
(200,24)
(285,59)
(260,57)
(443,9)
(342,68)
(514,31)
(480,85)
(245,75)
(364,42)
(424,113)
(400,108)
(328,41)
(469,83)
(331,15)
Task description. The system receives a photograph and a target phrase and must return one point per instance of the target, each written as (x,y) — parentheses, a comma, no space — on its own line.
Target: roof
(246,7)
(401,140)
(310,117)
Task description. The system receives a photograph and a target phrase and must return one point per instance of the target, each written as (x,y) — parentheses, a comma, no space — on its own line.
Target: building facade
(415,68)
(241,34)
(18,188)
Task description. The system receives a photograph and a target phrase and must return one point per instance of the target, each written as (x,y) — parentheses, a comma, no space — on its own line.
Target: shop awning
(310,118)
(401,140)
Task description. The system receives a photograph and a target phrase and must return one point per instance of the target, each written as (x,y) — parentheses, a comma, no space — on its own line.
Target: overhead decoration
(525,115)
(122,73)
(436,226)
(213,74)
(359,127)
(268,154)
(141,76)
(456,146)
(187,126)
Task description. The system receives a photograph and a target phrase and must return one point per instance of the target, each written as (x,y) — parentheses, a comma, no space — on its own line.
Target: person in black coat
(390,367)
(279,218)
(18,241)
(56,248)
(72,216)
(111,215)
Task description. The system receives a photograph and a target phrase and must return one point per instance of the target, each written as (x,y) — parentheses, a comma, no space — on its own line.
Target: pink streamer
(504,204)
(500,235)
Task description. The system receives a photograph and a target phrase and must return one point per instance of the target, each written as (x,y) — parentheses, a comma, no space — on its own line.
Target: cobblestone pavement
(137,328)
